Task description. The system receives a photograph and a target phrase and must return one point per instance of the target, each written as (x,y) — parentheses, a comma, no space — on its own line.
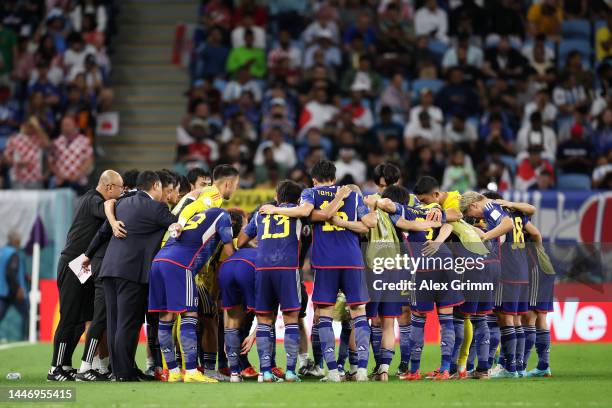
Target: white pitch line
(15,345)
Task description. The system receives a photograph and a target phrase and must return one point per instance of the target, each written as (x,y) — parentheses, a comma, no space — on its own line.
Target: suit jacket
(145,222)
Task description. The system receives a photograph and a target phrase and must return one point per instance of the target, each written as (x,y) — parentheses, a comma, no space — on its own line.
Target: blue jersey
(417,238)
(333,246)
(515,268)
(248,255)
(278,240)
(199,240)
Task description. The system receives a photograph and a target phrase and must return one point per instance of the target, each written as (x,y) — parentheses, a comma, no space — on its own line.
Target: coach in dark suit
(126,266)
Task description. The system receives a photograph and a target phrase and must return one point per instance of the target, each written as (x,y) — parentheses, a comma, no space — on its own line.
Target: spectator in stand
(534,171)
(536,133)
(493,174)
(283,152)
(50,92)
(317,112)
(254,58)
(361,115)
(574,66)
(427,105)
(568,95)
(216,13)
(541,60)
(459,132)
(603,40)
(74,57)
(323,23)
(242,82)
(602,135)
(348,164)
(386,129)
(239,128)
(576,154)
(496,137)
(8,51)
(545,17)
(71,157)
(504,18)
(24,155)
(459,173)
(284,53)
(202,147)
(324,44)
(456,96)
(396,96)
(579,116)
(602,175)
(38,107)
(92,34)
(246,106)
(277,117)
(541,103)
(431,21)
(395,42)
(238,33)
(423,132)
(211,57)
(504,61)
(423,162)
(246,8)
(474,55)
(364,29)
(314,140)
(365,76)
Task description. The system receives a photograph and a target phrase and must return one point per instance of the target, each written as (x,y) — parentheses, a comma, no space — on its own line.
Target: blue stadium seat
(576,29)
(582,46)
(571,181)
(434,84)
(438,48)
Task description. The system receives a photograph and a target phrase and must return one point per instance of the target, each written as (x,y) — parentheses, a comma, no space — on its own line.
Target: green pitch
(581,378)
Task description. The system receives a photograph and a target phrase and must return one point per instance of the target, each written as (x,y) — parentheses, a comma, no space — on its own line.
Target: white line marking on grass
(15,345)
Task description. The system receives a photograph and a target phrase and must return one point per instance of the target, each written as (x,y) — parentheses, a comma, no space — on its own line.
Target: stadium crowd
(500,94)
(54,70)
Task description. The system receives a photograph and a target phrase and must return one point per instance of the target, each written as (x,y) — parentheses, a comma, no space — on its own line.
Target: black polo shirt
(88,218)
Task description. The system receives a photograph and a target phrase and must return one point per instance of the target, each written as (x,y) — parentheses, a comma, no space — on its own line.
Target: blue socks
(343,348)
(520,347)
(376,339)
(494,337)
(166,343)
(292,344)
(362,340)
(317,353)
(386,356)
(508,341)
(404,340)
(458,325)
(232,349)
(530,338)
(273,344)
(417,335)
(189,341)
(543,348)
(264,349)
(447,340)
(482,341)
(328,342)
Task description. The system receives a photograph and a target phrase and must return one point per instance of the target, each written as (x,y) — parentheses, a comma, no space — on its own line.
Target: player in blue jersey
(237,285)
(172,289)
(336,258)
(278,278)
(513,295)
(425,242)
(541,290)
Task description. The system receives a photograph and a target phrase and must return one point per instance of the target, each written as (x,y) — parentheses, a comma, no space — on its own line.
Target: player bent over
(172,288)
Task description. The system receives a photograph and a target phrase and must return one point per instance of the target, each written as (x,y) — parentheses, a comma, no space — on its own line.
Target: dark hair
(323,171)
(130,178)
(493,195)
(536,115)
(166,178)
(397,194)
(426,185)
(288,191)
(388,171)
(195,173)
(184,185)
(237,218)
(146,180)
(224,170)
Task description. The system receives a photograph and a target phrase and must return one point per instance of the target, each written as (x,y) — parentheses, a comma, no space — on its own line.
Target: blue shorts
(478,301)
(172,288)
(351,282)
(278,287)
(426,299)
(512,298)
(541,291)
(237,284)
(383,309)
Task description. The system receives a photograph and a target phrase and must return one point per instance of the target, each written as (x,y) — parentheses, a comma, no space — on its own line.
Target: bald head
(110,184)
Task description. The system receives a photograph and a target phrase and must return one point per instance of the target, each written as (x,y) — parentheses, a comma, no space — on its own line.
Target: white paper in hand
(76,265)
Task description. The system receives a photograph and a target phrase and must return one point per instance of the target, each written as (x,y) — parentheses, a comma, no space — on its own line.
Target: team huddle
(220,270)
